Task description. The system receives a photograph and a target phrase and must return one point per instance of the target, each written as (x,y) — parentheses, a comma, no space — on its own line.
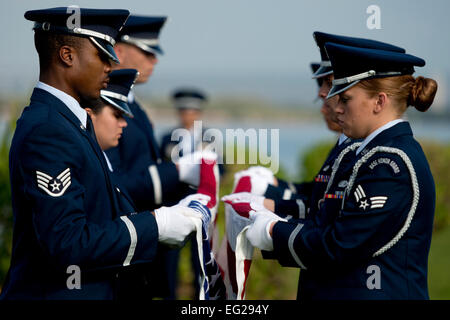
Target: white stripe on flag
(244,251)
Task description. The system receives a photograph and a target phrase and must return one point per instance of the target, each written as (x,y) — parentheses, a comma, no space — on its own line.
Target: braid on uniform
(337,162)
(415,185)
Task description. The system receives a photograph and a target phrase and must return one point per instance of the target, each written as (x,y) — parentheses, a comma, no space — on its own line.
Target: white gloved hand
(267,213)
(204,212)
(258,232)
(262,172)
(189,166)
(189,169)
(174,225)
(200,197)
(256,202)
(260,178)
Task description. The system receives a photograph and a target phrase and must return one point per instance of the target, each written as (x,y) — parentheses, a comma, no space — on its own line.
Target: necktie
(101,157)
(90,128)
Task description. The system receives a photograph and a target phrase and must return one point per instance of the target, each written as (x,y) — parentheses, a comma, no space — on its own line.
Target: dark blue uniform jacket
(138,165)
(66,210)
(375,243)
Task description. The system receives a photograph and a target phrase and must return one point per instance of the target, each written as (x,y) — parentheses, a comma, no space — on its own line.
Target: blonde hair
(404,90)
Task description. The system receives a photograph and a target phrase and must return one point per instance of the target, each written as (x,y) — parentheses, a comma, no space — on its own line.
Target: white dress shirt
(68,100)
(371,136)
(73,106)
(342,138)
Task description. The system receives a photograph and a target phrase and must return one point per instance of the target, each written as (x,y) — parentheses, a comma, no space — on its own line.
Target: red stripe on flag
(208,181)
(241,208)
(232,268)
(244,185)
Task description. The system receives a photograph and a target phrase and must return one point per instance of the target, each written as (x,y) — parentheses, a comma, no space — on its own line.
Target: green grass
(268,280)
(439,266)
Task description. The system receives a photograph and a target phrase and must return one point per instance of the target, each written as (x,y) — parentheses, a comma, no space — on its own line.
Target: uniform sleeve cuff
(273,192)
(284,234)
(145,239)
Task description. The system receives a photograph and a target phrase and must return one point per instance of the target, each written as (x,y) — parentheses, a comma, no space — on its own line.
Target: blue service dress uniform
(375,244)
(133,282)
(66,211)
(138,165)
(150,183)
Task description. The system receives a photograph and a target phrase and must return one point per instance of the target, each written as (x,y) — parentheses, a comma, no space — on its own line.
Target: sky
(245,47)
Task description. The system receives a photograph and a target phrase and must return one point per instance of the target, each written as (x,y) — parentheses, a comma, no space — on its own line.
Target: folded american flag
(212,284)
(235,256)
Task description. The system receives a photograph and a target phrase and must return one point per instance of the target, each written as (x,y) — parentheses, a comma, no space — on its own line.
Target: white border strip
(154,175)
(291,245)
(292,187)
(96,34)
(364,75)
(147,42)
(115,95)
(301,209)
(133,242)
(287,194)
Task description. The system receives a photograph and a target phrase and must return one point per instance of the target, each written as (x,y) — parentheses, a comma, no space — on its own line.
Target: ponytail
(422,93)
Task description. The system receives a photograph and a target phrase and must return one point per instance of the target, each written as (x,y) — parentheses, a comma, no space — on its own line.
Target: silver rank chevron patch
(54,187)
(372,202)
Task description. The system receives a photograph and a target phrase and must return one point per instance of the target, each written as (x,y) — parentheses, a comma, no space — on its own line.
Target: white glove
(256,202)
(258,232)
(200,197)
(259,171)
(189,166)
(267,213)
(189,170)
(174,225)
(260,178)
(262,172)
(202,211)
